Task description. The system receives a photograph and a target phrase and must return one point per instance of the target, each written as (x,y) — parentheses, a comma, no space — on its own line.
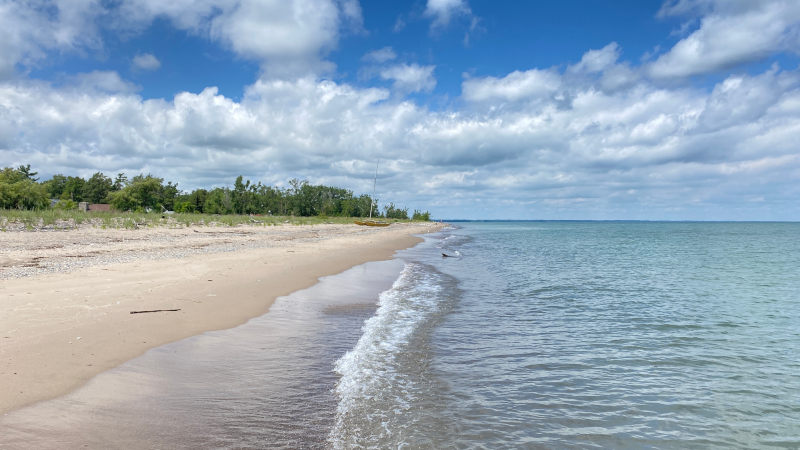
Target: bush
(66,205)
(424,216)
(392,212)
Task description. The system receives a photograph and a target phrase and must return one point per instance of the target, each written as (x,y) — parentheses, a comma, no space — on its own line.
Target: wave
(387,390)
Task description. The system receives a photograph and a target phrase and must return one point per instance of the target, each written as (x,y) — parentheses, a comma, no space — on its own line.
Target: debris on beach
(154,311)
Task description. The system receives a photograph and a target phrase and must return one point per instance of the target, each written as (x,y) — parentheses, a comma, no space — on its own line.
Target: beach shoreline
(68,296)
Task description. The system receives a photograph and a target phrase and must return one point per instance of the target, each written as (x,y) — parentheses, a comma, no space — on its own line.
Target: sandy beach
(68,296)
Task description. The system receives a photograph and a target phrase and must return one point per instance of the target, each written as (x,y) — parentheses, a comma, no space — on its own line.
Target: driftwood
(154,310)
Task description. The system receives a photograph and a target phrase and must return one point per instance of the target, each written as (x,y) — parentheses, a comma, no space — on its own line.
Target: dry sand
(66,297)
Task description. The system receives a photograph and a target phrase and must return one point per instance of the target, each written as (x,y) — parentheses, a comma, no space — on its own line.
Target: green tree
(197,200)
(270,200)
(73,189)
(123,200)
(142,193)
(419,215)
(168,195)
(19,191)
(27,173)
(55,186)
(119,182)
(393,212)
(218,201)
(240,197)
(364,204)
(97,188)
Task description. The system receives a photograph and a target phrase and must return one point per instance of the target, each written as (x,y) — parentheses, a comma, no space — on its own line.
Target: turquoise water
(569,334)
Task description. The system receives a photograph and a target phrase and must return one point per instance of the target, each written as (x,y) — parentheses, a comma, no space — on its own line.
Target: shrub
(424,216)
(66,205)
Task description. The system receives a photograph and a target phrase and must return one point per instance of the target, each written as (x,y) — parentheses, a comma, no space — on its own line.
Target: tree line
(21,189)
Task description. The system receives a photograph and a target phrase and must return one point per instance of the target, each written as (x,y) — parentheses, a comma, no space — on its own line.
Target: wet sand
(64,323)
(267,383)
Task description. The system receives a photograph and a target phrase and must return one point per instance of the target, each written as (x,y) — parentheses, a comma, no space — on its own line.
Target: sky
(471,109)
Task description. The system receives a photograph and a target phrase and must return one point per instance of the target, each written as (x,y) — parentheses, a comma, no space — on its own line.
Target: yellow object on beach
(371,223)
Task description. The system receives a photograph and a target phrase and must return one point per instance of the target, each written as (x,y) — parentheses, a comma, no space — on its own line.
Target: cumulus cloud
(351,10)
(146,61)
(442,11)
(409,78)
(380,56)
(28,30)
(598,60)
(286,37)
(730,33)
(102,81)
(603,65)
(406,78)
(527,85)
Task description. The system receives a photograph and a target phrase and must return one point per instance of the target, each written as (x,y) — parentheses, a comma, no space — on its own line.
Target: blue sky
(506,36)
(579,109)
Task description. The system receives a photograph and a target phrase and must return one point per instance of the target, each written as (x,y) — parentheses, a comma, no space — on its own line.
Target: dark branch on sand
(154,310)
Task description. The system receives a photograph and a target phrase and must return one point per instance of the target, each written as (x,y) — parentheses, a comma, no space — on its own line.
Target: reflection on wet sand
(266,382)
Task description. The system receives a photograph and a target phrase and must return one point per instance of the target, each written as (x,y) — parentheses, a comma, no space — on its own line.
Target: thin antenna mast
(374,182)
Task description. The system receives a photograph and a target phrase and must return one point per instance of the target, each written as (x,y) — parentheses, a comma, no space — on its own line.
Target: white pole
(374,182)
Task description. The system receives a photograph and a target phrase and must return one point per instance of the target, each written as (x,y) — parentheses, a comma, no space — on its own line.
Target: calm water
(607,335)
(533,335)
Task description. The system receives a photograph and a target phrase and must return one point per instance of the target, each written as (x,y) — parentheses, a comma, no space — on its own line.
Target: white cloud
(351,10)
(598,60)
(740,100)
(103,81)
(442,11)
(639,152)
(406,78)
(28,30)
(380,56)
(410,77)
(731,33)
(527,85)
(286,37)
(604,65)
(146,61)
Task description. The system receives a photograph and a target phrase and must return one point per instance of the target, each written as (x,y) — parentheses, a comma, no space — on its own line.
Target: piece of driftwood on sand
(154,311)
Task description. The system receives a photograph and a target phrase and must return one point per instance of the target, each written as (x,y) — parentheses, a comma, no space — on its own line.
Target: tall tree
(142,193)
(168,195)
(19,191)
(96,188)
(26,171)
(55,186)
(119,182)
(73,189)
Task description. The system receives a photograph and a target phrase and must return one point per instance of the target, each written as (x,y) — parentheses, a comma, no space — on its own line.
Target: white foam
(373,390)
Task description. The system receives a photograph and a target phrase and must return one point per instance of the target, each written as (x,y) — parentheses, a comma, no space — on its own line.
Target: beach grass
(66,219)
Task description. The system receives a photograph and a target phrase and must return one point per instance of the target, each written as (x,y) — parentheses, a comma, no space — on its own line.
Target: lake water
(569,334)
(531,335)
